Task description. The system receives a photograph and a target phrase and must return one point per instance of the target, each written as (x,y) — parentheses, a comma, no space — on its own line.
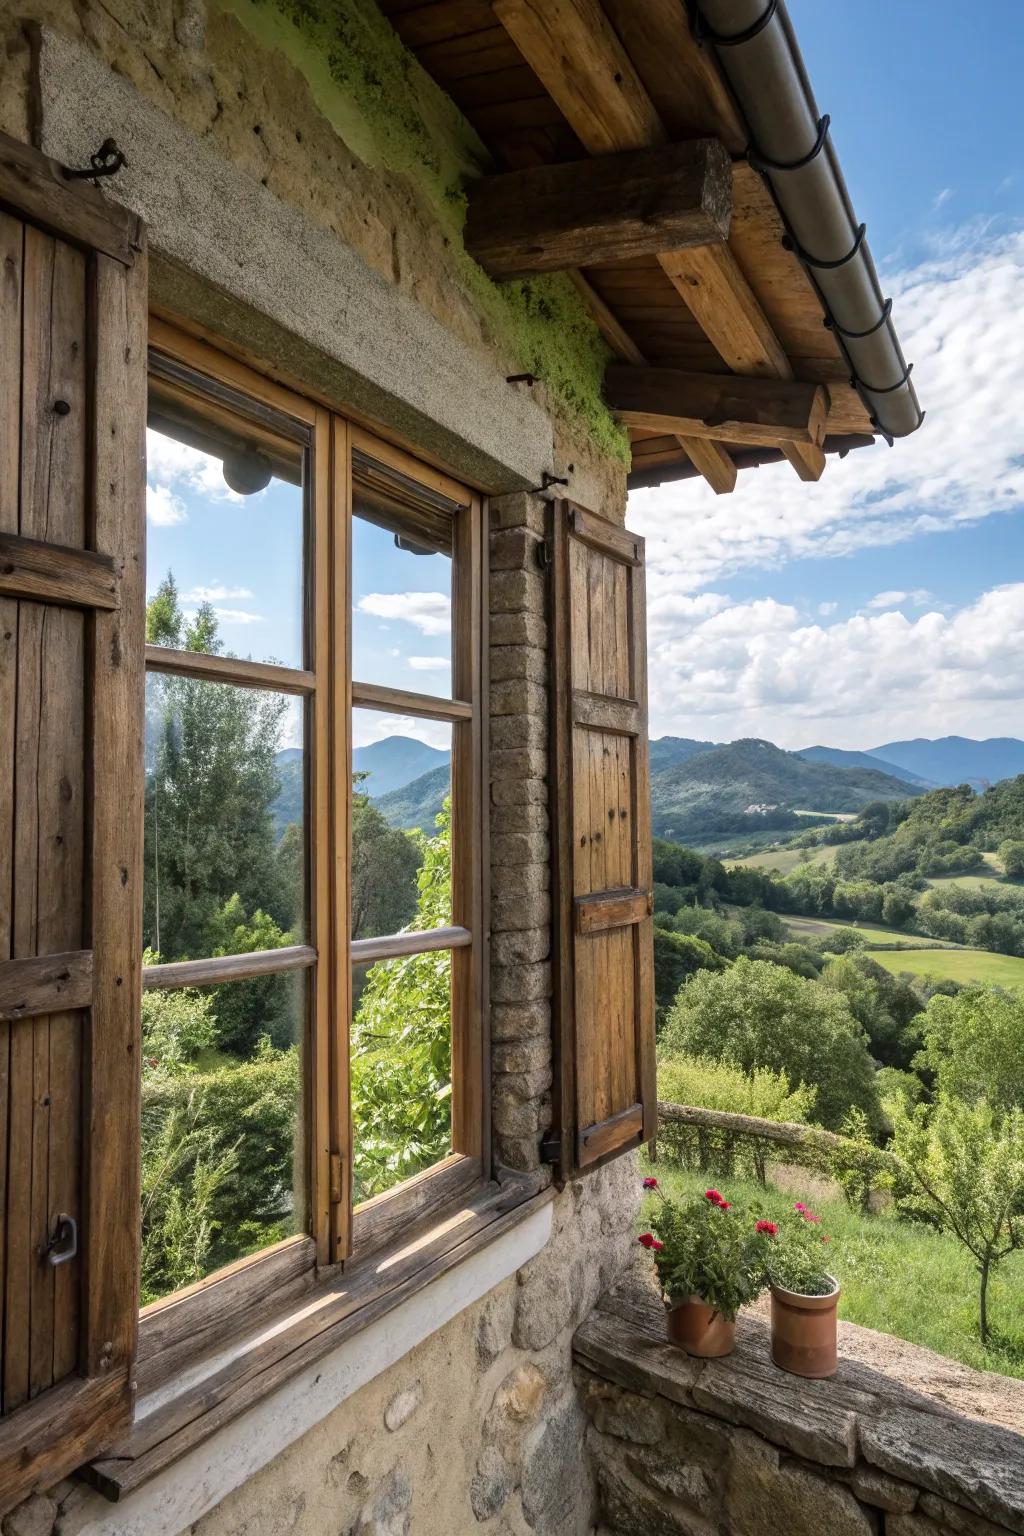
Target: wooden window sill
(338,1306)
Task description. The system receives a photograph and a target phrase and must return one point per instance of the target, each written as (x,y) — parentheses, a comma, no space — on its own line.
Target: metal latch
(63,1244)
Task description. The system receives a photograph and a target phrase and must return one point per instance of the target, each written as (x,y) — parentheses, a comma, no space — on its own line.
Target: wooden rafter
(706,455)
(752,411)
(550,218)
(574,50)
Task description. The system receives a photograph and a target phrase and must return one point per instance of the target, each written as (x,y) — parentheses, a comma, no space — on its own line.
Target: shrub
(706,1247)
(974,1044)
(761,1015)
(718,1085)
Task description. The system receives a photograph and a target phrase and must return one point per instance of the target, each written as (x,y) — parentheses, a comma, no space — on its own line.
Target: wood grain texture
(32,185)
(215,969)
(48,573)
(758,411)
(572,48)
(45,984)
(425,706)
(612,909)
(553,218)
(600,813)
(230,669)
(420,941)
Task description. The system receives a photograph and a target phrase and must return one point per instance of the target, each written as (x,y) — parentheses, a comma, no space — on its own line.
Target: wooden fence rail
(784,1132)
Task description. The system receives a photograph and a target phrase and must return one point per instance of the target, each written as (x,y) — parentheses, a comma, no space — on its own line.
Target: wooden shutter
(605,1097)
(72,592)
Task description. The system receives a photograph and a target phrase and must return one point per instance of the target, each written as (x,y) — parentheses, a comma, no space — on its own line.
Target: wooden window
(294,940)
(72,414)
(605,1096)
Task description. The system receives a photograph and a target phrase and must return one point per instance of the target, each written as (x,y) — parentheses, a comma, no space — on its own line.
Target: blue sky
(888,600)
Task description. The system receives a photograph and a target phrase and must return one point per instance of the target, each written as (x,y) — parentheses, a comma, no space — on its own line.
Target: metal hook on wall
(107,161)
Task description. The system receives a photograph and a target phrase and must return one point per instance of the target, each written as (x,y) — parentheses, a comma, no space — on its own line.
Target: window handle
(63,1245)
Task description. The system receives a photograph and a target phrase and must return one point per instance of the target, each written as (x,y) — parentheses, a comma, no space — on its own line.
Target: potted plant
(805,1296)
(709,1264)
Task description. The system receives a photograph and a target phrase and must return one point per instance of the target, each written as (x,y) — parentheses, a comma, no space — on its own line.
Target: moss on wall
(395,118)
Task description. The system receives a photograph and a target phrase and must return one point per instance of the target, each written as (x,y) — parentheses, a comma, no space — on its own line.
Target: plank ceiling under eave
(472,57)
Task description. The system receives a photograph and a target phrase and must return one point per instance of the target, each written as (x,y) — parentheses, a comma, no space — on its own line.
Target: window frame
(184,1324)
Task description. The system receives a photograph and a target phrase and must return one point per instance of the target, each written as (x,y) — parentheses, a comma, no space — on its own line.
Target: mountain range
(701,790)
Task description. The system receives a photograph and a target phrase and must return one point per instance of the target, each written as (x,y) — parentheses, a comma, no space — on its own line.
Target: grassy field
(969,882)
(821,927)
(782,860)
(886,1268)
(955,965)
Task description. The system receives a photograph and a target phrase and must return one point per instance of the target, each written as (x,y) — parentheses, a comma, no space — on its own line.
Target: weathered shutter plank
(72,550)
(605,1092)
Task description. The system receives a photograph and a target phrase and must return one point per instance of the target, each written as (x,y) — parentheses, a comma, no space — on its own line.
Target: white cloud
(429,612)
(217,593)
(179,467)
(163,508)
(428,663)
(941,199)
(760,669)
(228,616)
(369,726)
(917,598)
(955,315)
(824,609)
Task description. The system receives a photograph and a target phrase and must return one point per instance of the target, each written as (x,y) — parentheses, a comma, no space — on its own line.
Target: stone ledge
(890,1446)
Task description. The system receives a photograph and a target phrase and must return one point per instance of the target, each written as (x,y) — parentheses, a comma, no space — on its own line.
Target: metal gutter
(759,55)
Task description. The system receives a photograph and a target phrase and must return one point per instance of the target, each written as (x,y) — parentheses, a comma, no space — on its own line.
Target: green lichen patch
(394,117)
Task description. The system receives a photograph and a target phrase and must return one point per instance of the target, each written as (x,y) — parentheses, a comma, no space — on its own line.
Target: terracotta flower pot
(699,1328)
(804,1332)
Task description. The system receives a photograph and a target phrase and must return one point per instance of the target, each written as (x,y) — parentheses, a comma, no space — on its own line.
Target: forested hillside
(752,784)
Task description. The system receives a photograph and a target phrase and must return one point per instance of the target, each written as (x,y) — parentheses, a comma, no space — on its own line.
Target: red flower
(650,1183)
(723,1205)
(713,1196)
(648,1240)
(766,1226)
(810,1216)
(656,1247)
(800,1207)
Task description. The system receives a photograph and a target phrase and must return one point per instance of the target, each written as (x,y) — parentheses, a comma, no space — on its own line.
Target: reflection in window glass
(401,833)
(401,1070)
(224,844)
(224,554)
(401,594)
(222,1133)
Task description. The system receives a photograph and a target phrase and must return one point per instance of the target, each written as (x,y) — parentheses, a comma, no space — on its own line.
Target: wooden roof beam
(707,456)
(550,218)
(574,50)
(760,412)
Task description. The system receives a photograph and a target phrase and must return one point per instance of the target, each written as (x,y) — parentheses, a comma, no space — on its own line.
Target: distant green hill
(288,805)
(417,804)
(666,751)
(395,761)
(750,784)
(842,759)
(953,760)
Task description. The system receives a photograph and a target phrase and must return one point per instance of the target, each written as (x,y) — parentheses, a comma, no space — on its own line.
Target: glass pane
(401,1069)
(401,592)
(226,518)
(225,847)
(401,827)
(223,1162)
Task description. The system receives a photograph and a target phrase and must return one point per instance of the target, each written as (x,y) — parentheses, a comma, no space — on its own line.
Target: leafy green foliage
(974,1045)
(717,1085)
(385,862)
(761,1015)
(796,1253)
(676,956)
(401,1045)
(966,1166)
(707,1248)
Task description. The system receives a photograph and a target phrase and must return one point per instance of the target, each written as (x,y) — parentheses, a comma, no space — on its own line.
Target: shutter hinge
(551,1149)
(544,553)
(336,1190)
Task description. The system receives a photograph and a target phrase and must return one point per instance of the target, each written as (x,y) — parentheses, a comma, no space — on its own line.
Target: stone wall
(736,1447)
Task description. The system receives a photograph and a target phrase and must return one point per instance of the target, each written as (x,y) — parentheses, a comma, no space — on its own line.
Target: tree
(211,781)
(967,1169)
(761,1015)
(676,956)
(264,1005)
(385,862)
(974,1044)
(1012,855)
(401,1044)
